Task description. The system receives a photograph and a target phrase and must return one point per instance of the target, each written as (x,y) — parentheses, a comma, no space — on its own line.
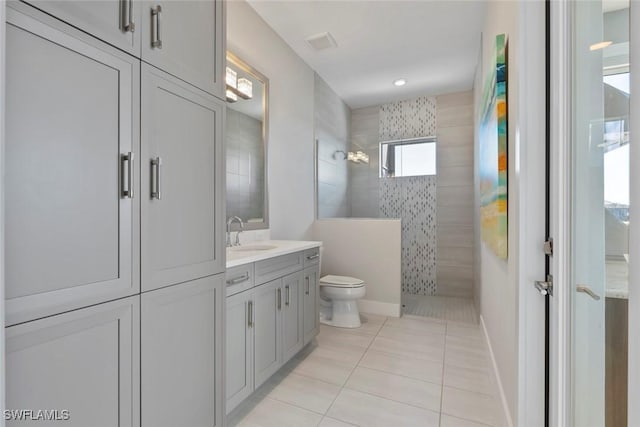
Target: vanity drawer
(311,257)
(239,279)
(277,267)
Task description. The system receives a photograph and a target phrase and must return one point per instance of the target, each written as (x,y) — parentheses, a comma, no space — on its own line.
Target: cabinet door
(71,118)
(186,39)
(239,349)
(292,323)
(267,306)
(182,193)
(85,361)
(181,331)
(113,21)
(310,298)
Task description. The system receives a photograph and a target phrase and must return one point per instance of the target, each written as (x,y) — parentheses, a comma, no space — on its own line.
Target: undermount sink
(251,248)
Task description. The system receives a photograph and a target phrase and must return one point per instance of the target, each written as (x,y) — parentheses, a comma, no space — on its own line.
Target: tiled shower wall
(437,254)
(413,199)
(455,233)
(332,131)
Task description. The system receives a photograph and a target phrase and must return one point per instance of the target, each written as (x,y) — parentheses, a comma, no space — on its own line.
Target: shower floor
(447,308)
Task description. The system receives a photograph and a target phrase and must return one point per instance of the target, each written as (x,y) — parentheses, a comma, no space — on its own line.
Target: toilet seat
(341,282)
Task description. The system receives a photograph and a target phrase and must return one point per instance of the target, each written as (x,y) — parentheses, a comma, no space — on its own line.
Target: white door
(590,215)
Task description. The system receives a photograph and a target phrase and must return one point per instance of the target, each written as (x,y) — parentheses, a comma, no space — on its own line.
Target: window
(412,157)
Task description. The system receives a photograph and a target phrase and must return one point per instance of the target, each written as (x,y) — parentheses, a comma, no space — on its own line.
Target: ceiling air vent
(321,41)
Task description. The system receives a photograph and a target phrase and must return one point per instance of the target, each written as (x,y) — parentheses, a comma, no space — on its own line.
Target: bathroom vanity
(271,310)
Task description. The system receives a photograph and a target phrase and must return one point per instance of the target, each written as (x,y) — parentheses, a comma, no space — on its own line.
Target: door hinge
(545,288)
(548,246)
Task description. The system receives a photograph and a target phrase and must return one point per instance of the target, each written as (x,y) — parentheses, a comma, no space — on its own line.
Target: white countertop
(239,255)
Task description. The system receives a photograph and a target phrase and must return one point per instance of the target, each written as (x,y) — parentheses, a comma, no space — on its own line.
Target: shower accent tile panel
(413,118)
(413,199)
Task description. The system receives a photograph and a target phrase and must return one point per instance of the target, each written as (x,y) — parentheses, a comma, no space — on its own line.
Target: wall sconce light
(357,157)
(231,96)
(232,77)
(245,87)
(237,87)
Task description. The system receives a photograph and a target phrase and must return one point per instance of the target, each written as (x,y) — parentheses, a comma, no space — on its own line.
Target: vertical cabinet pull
(127,178)
(155,178)
(308,285)
(279,296)
(250,314)
(128,26)
(287,295)
(156,40)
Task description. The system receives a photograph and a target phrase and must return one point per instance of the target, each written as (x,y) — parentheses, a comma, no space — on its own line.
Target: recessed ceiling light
(400,82)
(600,45)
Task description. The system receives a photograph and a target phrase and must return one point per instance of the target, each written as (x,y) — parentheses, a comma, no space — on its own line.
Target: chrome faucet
(229,222)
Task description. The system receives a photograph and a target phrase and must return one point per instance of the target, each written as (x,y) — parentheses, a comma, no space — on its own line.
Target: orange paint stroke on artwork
(502,162)
(502,109)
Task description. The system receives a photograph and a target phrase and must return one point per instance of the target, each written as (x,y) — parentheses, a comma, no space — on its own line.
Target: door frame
(560,212)
(560,399)
(2,131)
(633,411)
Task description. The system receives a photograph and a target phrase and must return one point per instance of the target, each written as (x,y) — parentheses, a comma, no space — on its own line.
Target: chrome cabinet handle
(308,285)
(127,191)
(155,178)
(156,40)
(287,295)
(312,257)
(588,291)
(279,295)
(250,314)
(238,279)
(128,26)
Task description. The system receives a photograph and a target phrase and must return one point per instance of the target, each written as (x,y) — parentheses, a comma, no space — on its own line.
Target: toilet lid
(341,281)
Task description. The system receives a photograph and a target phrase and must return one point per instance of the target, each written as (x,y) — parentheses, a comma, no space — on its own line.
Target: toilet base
(342,314)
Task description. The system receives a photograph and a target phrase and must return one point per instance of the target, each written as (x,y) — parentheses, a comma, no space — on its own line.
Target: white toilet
(339,301)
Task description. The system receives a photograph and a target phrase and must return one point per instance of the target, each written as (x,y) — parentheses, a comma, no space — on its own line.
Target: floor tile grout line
(354,368)
(392,400)
(398,375)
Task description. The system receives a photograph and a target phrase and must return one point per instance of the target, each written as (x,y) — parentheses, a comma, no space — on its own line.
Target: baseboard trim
(496,376)
(381,308)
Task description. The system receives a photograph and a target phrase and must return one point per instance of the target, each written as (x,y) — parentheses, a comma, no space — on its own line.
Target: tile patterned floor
(411,371)
(440,307)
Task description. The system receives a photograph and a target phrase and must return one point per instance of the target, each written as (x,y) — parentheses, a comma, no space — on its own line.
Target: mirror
(246,144)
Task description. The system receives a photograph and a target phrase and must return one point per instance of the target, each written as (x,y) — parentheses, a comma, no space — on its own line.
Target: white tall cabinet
(114,225)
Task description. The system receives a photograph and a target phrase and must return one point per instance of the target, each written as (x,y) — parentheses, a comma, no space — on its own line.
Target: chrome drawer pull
(312,257)
(127,16)
(287,295)
(279,296)
(238,279)
(127,192)
(250,314)
(156,41)
(155,178)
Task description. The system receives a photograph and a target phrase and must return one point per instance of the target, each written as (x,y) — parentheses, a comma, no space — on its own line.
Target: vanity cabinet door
(186,39)
(116,22)
(85,361)
(239,349)
(71,130)
(292,321)
(182,193)
(267,306)
(181,343)
(310,305)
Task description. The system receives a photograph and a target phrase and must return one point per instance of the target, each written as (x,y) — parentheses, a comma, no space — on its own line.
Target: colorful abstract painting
(493,153)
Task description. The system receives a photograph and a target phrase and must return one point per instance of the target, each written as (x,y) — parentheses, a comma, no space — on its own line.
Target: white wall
(497,279)
(368,249)
(291,139)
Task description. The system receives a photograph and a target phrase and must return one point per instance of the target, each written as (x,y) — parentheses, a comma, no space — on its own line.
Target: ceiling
(434,45)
